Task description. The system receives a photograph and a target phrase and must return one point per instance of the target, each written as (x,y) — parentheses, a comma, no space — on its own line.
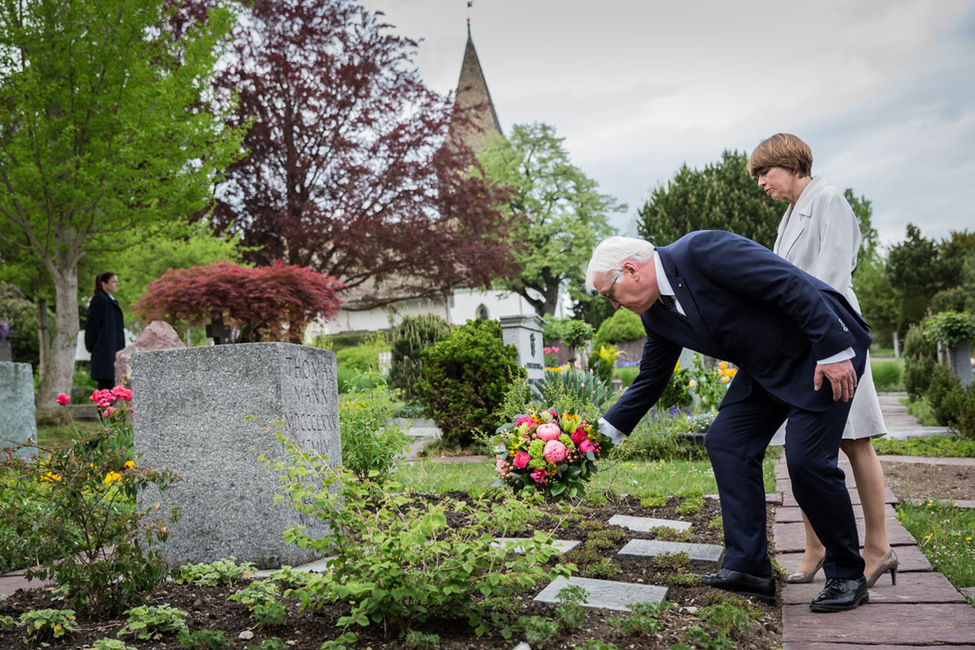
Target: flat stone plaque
(645,524)
(606,594)
(645,549)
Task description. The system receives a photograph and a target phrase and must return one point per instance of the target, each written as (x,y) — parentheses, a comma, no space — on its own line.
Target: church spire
(474,100)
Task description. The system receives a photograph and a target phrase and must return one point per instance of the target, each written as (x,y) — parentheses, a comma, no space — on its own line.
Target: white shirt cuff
(611,432)
(839,356)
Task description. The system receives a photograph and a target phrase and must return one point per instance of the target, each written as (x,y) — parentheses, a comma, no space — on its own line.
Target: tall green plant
(410,338)
(370,440)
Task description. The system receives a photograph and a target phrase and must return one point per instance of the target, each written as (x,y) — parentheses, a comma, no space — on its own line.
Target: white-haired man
(799,348)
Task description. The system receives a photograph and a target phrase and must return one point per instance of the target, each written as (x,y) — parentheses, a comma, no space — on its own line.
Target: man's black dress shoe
(745,584)
(840,595)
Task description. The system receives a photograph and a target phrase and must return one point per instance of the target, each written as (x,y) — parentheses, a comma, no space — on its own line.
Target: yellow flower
(692,383)
(725,379)
(111,477)
(723,365)
(51,476)
(130,464)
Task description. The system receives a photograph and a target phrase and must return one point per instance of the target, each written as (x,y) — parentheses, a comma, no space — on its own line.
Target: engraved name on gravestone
(208,413)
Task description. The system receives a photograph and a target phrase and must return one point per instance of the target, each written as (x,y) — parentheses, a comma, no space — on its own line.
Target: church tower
(476,118)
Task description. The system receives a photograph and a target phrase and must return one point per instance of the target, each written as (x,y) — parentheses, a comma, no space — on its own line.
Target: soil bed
(208,607)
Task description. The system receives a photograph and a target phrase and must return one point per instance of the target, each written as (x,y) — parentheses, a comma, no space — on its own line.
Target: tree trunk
(59,373)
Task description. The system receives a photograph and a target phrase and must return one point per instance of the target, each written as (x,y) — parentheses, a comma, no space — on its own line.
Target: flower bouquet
(555,453)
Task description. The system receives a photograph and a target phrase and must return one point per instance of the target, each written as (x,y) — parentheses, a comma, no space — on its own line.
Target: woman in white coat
(820,234)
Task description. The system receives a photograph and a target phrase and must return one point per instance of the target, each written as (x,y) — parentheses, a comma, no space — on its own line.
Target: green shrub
(410,338)
(370,440)
(76,513)
(920,357)
(397,561)
(364,357)
(623,325)
(942,393)
(465,379)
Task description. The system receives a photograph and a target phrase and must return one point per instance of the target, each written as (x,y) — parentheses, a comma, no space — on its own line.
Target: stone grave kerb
(208,414)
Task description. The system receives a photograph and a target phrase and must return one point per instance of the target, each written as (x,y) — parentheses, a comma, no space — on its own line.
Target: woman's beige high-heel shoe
(802,577)
(889,564)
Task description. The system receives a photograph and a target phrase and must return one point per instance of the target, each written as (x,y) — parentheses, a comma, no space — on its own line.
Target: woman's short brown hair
(781,150)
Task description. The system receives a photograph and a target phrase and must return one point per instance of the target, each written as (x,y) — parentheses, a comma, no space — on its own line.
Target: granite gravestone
(208,413)
(17,397)
(525,333)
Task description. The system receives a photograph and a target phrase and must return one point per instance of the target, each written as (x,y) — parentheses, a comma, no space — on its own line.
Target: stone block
(208,413)
(17,397)
(645,549)
(605,594)
(525,333)
(158,335)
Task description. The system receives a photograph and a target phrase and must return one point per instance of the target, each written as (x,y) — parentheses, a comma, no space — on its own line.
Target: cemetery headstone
(17,396)
(525,333)
(208,413)
(158,335)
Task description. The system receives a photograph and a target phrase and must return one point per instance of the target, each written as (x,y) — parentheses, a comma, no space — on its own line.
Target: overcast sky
(883,91)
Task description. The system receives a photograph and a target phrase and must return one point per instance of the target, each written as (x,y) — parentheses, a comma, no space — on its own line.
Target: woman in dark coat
(104,330)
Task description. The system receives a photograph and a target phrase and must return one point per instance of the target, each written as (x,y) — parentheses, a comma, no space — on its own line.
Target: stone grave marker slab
(645,549)
(208,413)
(17,398)
(606,594)
(645,524)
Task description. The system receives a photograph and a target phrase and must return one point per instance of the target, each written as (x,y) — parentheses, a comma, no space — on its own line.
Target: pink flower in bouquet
(109,411)
(524,418)
(521,460)
(578,436)
(586,446)
(63,399)
(555,451)
(548,431)
(539,476)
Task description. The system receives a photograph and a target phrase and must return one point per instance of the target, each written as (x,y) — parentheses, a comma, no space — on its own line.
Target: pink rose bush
(554,453)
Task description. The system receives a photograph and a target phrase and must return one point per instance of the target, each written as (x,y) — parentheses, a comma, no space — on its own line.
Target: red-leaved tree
(345,171)
(268,303)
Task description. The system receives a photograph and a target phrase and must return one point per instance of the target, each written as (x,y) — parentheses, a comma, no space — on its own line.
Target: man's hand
(842,377)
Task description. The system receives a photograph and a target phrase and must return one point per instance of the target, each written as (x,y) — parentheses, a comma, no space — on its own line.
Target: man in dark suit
(799,348)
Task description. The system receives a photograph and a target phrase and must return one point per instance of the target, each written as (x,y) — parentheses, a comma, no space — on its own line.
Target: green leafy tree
(917,270)
(105,135)
(722,196)
(869,238)
(566,214)
(878,302)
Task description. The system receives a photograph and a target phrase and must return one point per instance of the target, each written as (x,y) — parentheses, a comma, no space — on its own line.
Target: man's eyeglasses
(609,295)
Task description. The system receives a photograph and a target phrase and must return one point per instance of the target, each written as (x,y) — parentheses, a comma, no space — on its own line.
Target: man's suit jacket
(748,306)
